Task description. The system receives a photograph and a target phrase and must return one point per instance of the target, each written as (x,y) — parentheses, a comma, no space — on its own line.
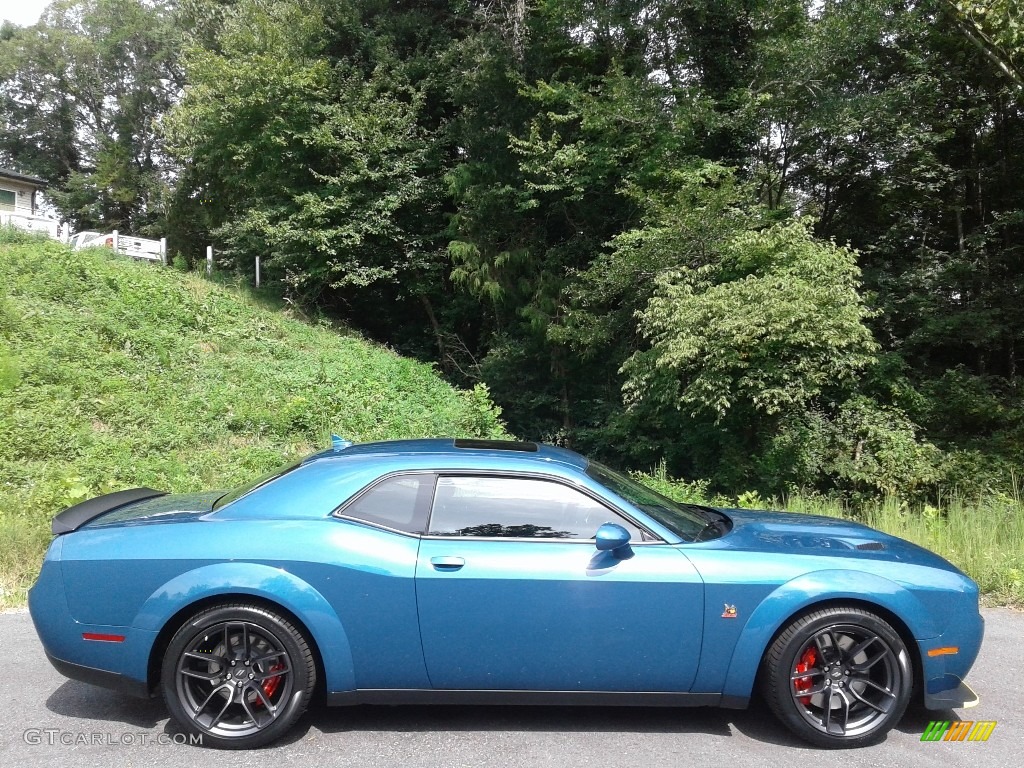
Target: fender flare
(275,585)
(802,593)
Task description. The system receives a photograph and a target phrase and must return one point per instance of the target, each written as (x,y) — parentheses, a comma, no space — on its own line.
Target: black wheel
(238,675)
(838,677)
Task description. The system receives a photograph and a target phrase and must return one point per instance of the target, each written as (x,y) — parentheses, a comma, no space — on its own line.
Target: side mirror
(611,537)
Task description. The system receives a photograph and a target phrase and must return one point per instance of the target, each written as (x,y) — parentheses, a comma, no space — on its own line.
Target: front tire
(838,677)
(239,676)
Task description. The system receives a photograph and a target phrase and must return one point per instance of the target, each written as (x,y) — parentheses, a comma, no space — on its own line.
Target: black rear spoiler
(73,518)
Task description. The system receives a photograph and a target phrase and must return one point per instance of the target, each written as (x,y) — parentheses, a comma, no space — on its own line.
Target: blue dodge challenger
(475,571)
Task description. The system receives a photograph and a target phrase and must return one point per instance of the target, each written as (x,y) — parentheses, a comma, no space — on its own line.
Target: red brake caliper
(806,664)
(270,684)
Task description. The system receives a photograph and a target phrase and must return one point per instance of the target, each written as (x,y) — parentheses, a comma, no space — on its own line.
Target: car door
(513,594)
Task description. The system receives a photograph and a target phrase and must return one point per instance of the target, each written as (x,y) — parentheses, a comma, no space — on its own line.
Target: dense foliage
(774,244)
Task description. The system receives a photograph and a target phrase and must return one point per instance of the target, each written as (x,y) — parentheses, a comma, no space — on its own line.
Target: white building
(18,203)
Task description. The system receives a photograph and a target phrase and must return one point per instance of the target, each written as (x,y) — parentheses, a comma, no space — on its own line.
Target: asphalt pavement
(49,720)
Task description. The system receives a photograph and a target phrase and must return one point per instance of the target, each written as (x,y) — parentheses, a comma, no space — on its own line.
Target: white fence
(49,227)
(134,247)
(139,248)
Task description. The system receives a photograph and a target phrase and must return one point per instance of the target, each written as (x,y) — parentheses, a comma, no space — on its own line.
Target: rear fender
(796,596)
(232,580)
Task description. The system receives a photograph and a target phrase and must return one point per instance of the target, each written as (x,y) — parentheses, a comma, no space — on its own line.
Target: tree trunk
(438,336)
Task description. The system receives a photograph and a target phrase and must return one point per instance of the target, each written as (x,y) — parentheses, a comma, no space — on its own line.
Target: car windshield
(241,491)
(686,520)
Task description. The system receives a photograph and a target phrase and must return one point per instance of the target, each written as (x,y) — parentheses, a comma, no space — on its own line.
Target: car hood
(766,531)
(181,507)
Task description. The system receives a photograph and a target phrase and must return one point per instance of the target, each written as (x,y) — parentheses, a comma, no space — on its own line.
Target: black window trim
(340,511)
(656,539)
(419,514)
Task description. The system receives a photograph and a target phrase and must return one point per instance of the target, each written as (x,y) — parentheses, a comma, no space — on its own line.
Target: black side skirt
(550,698)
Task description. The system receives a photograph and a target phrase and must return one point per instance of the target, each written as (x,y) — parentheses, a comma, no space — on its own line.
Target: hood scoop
(821,541)
(871,546)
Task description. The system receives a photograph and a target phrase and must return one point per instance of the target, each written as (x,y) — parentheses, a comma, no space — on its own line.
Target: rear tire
(239,676)
(838,677)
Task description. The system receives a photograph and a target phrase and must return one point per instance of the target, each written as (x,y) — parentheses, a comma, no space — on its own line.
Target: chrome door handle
(447,563)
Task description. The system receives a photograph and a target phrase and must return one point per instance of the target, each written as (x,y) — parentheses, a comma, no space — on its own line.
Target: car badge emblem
(729,612)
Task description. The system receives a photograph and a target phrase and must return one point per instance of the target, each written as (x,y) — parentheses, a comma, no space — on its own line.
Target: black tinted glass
(398,502)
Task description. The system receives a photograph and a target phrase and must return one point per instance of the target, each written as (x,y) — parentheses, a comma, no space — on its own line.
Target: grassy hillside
(115,374)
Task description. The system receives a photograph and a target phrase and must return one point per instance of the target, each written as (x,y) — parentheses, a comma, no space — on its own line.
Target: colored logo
(729,612)
(958,730)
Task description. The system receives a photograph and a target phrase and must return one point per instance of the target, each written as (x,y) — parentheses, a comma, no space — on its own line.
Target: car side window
(511,507)
(399,502)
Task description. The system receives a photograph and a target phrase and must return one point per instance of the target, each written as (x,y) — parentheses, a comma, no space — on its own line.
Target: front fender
(272,584)
(801,593)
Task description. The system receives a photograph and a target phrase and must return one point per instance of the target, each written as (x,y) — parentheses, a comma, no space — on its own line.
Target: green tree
(760,329)
(305,163)
(895,131)
(83,92)
(996,27)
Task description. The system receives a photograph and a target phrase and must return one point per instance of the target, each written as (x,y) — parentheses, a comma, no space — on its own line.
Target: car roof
(447,449)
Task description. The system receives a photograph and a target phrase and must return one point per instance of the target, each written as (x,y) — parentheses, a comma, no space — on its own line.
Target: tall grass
(22,543)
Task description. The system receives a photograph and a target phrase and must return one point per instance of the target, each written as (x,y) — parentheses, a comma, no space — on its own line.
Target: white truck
(133,247)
